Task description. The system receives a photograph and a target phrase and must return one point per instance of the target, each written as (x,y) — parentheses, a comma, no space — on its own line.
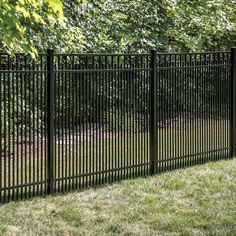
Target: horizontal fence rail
(72,121)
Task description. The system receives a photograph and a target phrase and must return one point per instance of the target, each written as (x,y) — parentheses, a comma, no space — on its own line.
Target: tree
(121,26)
(29,25)
(202,25)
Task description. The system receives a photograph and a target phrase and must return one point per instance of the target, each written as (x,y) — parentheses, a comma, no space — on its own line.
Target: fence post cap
(50,49)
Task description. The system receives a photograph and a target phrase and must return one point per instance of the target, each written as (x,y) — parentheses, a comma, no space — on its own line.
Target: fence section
(72,121)
(23,126)
(194,108)
(101,118)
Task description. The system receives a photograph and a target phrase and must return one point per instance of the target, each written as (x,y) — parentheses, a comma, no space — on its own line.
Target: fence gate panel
(194,108)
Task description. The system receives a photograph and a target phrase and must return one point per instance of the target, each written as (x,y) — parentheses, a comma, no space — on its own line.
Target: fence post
(153,112)
(233,101)
(50,120)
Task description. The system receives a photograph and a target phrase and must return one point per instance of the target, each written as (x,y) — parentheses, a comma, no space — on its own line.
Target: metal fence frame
(51,72)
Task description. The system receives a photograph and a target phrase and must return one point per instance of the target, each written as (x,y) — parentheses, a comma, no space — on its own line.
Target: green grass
(196,201)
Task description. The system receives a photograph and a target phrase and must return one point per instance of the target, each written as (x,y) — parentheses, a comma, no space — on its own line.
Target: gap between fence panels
(71,121)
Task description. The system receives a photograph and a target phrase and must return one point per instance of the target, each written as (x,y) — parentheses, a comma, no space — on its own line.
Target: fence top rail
(102,54)
(139,54)
(191,53)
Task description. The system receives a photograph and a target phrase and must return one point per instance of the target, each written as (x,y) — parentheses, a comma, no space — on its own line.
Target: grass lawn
(196,201)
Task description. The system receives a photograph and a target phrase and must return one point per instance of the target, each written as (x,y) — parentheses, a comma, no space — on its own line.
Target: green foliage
(202,25)
(137,26)
(121,26)
(29,25)
(22,17)
(116,26)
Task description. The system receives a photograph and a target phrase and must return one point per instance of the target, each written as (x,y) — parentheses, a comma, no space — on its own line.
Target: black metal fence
(70,121)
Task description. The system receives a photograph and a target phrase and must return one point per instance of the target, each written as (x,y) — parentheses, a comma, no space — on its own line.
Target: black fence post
(233,101)
(153,112)
(50,120)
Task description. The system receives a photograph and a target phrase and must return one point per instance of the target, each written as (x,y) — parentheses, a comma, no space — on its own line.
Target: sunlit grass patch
(194,201)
